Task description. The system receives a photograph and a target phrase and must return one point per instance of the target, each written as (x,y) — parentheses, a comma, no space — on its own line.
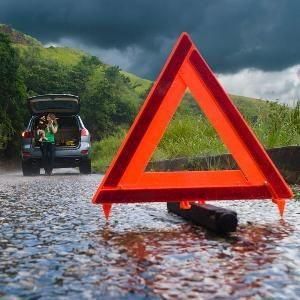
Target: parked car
(72,139)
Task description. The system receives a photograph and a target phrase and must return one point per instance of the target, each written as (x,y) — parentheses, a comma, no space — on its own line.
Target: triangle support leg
(106,207)
(280,202)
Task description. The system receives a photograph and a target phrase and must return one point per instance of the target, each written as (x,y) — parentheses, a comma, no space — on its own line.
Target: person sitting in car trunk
(48,145)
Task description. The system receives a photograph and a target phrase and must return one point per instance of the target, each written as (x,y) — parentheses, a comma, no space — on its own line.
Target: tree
(105,107)
(80,73)
(43,76)
(12,95)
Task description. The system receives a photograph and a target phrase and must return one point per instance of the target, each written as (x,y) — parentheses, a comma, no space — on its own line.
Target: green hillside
(140,85)
(62,55)
(70,57)
(111,97)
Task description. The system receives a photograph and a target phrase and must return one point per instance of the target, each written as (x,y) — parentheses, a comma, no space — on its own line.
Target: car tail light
(27,134)
(84,151)
(84,132)
(26,154)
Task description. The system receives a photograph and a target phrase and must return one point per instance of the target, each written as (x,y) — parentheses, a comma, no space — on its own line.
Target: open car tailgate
(55,103)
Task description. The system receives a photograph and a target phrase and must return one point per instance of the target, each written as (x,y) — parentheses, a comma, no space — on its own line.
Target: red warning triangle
(126,180)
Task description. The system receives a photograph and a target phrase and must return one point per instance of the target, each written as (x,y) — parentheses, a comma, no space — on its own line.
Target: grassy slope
(184,136)
(140,84)
(70,56)
(62,55)
(249,106)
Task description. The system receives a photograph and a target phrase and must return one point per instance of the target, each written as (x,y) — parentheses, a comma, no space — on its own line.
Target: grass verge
(192,135)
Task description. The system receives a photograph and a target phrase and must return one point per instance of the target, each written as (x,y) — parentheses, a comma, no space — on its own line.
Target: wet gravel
(56,245)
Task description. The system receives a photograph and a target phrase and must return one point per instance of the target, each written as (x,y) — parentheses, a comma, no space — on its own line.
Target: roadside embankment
(287,160)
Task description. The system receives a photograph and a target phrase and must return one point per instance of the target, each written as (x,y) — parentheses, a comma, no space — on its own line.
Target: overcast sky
(253,45)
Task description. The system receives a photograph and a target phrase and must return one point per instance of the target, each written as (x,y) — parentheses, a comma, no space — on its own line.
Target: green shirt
(49,134)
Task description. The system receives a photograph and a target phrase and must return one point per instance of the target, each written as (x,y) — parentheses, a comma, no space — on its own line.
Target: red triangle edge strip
(177,194)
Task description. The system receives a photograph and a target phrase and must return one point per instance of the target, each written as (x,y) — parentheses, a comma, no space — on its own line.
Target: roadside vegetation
(296,190)
(111,98)
(190,134)
(12,96)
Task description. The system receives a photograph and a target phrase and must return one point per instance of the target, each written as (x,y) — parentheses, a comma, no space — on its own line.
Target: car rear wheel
(35,170)
(85,167)
(28,169)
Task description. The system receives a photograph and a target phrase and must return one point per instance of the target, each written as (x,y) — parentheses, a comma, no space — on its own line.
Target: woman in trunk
(48,144)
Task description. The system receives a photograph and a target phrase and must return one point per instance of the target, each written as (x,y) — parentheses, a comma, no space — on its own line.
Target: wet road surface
(55,244)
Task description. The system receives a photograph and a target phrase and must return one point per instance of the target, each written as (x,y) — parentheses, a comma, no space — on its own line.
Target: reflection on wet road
(55,245)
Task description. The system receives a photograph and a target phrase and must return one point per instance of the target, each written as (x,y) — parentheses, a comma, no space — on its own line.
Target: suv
(72,139)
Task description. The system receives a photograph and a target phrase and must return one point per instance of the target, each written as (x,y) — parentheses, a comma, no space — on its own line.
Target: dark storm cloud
(231,34)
